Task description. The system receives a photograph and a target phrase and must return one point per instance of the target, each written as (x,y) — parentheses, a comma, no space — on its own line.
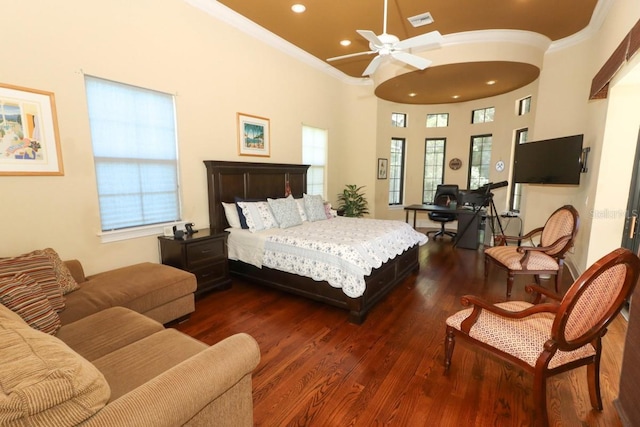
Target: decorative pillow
(286,211)
(243,219)
(301,211)
(314,207)
(44,382)
(64,278)
(24,296)
(258,215)
(40,268)
(231,212)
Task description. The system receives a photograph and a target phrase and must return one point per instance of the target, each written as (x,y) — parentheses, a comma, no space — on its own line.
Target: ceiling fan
(389,45)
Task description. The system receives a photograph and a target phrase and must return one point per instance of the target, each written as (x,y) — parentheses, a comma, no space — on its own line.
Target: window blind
(133,134)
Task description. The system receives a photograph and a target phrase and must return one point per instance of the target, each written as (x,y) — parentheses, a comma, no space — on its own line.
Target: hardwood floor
(319,370)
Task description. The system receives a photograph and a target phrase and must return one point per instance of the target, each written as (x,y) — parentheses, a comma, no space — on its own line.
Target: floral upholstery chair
(556,238)
(552,335)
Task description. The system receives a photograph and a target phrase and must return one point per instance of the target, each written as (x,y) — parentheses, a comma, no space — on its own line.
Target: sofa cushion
(64,278)
(24,296)
(44,382)
(40,268)
(106,331)
(129,367)
(140,287)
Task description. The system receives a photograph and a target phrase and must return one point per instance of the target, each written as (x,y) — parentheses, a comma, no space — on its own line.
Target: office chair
(553,334)
(445,194)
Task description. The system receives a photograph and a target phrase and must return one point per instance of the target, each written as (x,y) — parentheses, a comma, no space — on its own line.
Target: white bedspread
(340,251)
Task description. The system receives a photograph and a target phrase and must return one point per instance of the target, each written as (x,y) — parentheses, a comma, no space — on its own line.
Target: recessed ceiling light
(456,96)
(491,82)
(298,8)
(345,42)
(412,94)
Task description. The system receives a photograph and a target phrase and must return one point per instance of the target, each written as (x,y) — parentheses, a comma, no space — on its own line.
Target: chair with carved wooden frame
(551,335)
(547,257)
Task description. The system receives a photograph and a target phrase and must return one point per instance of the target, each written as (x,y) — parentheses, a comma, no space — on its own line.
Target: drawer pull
(206,251)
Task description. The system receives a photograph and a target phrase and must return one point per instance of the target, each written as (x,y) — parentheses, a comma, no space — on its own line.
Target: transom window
(483,115)
(440,120)
(396,171)
(434,153)
(479,161)
(399,120)
(524,106)
(133,134)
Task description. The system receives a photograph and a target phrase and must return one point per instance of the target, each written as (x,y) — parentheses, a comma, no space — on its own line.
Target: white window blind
(133,133)
(314,153)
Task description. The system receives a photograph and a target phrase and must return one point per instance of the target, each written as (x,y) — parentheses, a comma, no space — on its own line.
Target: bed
(228,181)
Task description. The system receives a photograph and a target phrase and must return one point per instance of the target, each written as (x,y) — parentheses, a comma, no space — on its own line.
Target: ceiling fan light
(298,8)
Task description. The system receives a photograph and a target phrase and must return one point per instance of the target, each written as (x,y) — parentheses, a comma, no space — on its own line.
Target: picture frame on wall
(29,139)
(382,168)
(253,136)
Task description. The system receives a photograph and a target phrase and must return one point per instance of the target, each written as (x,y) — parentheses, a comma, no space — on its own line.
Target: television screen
(551,161)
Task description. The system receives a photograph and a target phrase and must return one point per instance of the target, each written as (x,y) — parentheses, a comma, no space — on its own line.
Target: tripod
(487,200)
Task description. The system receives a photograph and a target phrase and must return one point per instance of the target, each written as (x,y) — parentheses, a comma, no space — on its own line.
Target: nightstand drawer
(211,274)
(205,251)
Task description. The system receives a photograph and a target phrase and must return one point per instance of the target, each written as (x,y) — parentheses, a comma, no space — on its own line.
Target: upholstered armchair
(546,257)
(553,334)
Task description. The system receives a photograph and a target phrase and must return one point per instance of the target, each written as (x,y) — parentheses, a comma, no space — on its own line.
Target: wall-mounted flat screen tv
(550,161)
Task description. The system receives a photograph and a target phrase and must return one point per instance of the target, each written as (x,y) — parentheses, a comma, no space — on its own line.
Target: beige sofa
(76,350)
(119,368)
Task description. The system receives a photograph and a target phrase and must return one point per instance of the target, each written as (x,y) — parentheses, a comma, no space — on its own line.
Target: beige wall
(215,71)
(167,45)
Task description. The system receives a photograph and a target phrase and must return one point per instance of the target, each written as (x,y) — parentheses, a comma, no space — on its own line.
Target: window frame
(394,121)
(392,172)
(483,165)
(484,115)
(524,105)
(515,195)
(442,168)
(438,116)
(316,166)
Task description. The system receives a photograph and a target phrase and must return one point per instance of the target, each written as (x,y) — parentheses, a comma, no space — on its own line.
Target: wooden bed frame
(228,180)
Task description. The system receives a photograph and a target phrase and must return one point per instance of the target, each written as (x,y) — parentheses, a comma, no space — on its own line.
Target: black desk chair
(445,194)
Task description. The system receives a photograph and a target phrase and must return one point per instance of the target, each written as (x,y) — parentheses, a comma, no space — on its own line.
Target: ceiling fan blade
(335,58)
(430,40)
(413,60)
(370,36)
(373,65)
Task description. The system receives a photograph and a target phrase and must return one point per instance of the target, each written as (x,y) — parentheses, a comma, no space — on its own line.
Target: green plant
(352,202)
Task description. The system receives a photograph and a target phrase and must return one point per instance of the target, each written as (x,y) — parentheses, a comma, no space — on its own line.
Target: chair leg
(449,344)
(540,400)
(593,378)
(486,267)
(510,278)
(559,275)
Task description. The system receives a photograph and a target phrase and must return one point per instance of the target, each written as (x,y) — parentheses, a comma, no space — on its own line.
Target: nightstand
(203,253)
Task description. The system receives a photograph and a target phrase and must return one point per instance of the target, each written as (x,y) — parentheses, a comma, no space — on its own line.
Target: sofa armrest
(180,393)
(75,267)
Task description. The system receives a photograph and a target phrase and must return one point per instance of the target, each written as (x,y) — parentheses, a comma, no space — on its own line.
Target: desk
(468,221)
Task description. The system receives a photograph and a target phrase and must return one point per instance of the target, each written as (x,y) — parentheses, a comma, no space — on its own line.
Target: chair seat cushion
(510,258)
(521,338)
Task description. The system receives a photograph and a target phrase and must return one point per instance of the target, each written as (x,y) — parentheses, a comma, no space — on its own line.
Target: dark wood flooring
(319,370)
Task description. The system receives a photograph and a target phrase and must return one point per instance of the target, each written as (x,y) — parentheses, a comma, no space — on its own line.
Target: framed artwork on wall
(382,168)
(29,140)
(253,136)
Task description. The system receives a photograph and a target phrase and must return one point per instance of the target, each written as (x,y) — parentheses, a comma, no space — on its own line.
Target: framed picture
(382,168)
(253,136)
(29,140)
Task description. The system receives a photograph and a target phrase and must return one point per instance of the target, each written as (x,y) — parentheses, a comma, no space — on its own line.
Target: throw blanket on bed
(340,251)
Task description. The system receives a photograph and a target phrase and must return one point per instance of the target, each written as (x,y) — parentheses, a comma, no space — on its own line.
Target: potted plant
(352,202)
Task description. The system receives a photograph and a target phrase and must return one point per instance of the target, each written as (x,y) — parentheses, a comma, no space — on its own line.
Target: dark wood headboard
(228,180)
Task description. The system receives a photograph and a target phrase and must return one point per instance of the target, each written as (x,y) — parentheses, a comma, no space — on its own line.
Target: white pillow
(301,211)
(314,207)
(231,212)
(258,215)
(286,211)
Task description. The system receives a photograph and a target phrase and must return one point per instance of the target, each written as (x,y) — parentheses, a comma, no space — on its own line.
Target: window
(434,150)
(479,161)
(396,171)
(483,115)
(438,120)
(516,189)
(524,106)
(314,153)
(399,120)
(133,133)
